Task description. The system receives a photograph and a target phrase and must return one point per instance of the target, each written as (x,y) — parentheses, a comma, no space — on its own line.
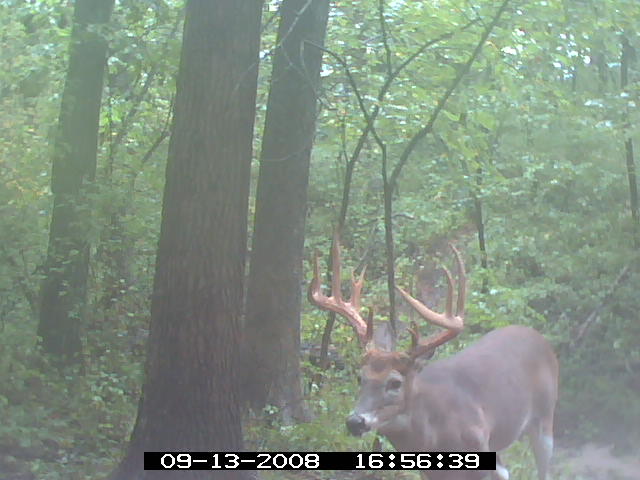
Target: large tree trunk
(63,290)
(190,399)
(272,328)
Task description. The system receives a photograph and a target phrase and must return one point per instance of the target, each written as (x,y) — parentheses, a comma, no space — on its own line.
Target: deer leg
(541,435)
(477,439)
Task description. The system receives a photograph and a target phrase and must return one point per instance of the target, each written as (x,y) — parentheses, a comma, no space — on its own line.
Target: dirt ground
(591,462)
(596,462)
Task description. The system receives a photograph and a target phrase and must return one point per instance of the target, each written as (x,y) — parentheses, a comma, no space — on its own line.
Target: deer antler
(454,323)
(348,309)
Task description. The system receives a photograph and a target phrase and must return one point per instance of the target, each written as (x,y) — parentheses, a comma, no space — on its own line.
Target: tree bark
(63,289)
(190,396)
(272,329)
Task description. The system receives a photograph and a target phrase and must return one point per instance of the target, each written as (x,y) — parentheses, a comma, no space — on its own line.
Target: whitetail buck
(484,398)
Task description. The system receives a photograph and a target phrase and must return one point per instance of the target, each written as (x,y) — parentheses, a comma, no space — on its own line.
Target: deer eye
(394,384)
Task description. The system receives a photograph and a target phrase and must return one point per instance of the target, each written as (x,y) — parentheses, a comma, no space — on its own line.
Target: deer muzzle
(356,424)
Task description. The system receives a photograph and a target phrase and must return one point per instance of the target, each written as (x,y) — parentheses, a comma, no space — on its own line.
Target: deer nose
(356,425)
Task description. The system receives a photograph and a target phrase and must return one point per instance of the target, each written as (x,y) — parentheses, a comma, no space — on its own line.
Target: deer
(483,398)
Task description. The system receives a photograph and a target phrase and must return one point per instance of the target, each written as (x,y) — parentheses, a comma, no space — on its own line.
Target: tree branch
(443,100)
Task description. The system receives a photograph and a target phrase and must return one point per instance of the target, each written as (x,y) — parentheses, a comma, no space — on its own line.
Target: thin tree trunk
(627,54)
(478,218)
(63,290)
(272,328)
(388,237)
(190,396)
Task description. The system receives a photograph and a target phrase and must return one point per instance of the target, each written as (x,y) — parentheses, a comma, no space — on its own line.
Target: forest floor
(591,462)
(596,462)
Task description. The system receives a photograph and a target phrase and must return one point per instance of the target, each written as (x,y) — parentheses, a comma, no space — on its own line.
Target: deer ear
(384,337)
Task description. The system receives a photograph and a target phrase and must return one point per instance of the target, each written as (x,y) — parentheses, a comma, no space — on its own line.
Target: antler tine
(453,323)
(451,286)
(429,344)
(420,346)
(442,320)
(415,335)
(334,302)
(462,278)
(356,287)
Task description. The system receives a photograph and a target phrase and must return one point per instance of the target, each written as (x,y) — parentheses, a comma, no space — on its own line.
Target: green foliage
(535,133)
(58,424)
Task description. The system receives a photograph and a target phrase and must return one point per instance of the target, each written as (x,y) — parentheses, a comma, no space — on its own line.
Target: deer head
(386,375)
